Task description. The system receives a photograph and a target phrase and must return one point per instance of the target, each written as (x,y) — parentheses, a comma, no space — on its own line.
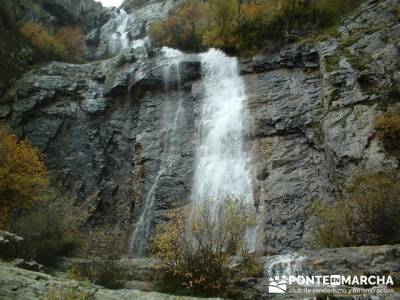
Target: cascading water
(116,32)
(283,265)
(222,167)
(170,155)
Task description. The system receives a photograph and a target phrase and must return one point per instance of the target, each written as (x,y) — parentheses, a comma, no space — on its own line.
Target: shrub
(366,215)
(387,128)
(197,243)
(101,247)
(46,47)
(73,41)
(49,231)
(66,45)
(240,26)
(183,29)
(23,175)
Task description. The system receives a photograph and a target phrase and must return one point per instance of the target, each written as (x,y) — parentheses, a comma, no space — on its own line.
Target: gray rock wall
(313,119)
(103,135)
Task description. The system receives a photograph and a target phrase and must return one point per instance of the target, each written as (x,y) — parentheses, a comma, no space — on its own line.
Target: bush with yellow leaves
(23,175)
(197,243)
(66,45)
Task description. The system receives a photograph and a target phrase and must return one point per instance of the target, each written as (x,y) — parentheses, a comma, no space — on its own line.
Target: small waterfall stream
(116,32)
(171,142)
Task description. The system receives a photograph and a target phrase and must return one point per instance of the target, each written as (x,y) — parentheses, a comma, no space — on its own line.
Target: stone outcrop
(313,107)
(52,13)
(19,284)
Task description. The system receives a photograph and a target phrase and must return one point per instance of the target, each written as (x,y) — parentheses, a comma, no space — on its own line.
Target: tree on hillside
(224,16)
(23,175)
(183,29)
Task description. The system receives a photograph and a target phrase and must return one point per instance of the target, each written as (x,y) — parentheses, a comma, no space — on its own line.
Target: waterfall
(116,32)
(222,162)
(120,40)
(171,141)
(283,265)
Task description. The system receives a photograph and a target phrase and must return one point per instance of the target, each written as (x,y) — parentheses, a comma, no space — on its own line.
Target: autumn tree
(73,41)
(183,29)
(224,18)
(23,175)
(45,45)
(198,241)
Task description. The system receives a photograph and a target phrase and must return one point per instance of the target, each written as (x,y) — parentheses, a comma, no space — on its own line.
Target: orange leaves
(42,40)
(183,29)
(197,242)
(67,44)
(23,175)
(72,39)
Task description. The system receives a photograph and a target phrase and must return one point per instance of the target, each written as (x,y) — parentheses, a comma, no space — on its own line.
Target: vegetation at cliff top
(66,45)
(366,214)
(238,26)
(197,243)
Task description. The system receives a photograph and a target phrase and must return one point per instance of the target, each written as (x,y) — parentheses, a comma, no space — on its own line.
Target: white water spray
(222,168)
(116,32)
(283,265)
(170,155)
(222,162)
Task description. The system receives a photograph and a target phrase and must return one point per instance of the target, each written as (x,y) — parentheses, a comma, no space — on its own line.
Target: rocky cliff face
(15,53)
(103,125)
(313,107)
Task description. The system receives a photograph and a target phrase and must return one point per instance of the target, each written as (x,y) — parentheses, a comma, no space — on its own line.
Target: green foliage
(197,243)
(223,20)
(367,214)
(331,62)
(387,128)
(101,247)
(356,61)
(122,59)
(23,176)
